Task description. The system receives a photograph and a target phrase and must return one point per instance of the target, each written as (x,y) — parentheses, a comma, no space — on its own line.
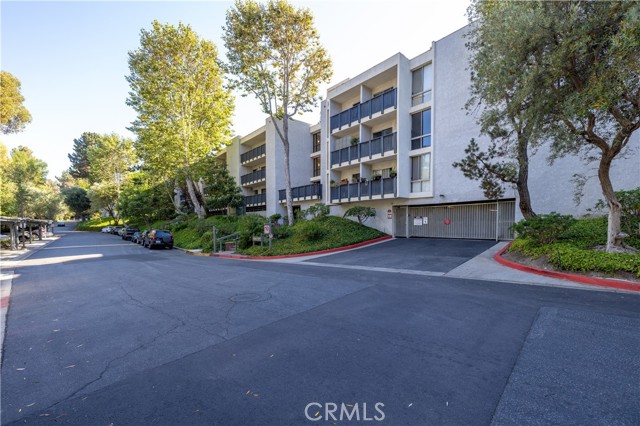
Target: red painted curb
(601,282)
(311,253)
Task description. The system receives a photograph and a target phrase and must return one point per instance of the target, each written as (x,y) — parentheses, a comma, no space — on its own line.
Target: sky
(71,57)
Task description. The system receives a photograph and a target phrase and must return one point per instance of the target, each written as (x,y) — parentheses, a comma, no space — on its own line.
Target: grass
(317,234)
(94,225)
(573,250)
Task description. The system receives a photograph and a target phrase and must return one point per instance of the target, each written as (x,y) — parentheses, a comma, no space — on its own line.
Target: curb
(192,253)
(311,253)
(582,279)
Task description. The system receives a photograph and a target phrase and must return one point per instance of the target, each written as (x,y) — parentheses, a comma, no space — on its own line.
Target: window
(316,142)
(421,85)
(316,166)
(420,172)
(384,132)
(421,129)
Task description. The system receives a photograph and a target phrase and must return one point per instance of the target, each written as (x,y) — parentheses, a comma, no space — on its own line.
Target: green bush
(317,210)
(571,258)
(362,213)
(281,232)
(274,218)
(206,241)
(544,229)
(249,225)
(311,231)
(586,233)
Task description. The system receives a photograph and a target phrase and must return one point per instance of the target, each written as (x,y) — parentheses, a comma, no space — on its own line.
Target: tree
(142,201)
(7,188)
(362,213)
(104,197)
(220,188)
(184,110)
(274,53)
(47,201)
(497,83)
(77,200)
(584,58)
(13,114)
(79,168)
(25,172)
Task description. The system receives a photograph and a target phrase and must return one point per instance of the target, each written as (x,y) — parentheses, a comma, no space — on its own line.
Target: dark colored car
(127,233)
(158,238)
(135,237)
(116,230)
(62,224)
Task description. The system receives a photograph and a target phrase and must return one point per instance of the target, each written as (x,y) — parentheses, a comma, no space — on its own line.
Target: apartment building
(387,138)
(256,161)
(391,134)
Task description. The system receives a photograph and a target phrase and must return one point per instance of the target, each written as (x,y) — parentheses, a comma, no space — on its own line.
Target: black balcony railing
(256,176)
(253,154)
(374,105)
(255,200)
(313,190)
(365,190)
(375,146)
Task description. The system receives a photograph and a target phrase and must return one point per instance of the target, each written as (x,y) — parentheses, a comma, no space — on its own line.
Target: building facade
(387,139)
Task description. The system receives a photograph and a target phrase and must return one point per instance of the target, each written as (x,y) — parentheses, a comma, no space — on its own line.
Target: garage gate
(485,221)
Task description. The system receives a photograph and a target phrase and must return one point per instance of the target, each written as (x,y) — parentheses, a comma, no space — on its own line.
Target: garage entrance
(483,221)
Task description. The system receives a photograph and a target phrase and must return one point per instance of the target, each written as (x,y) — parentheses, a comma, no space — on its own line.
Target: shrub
(317,210)
(571,258)
(281,232)
(206,241)
(274,218)
(586,233)
(249,225)
(361,213)
(544,229)
(311,231)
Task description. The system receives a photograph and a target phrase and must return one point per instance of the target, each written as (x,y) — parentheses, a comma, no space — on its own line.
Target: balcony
(255,200)
(368,190)
(367,109)
(300,193)
(365,150)
(254,177)
(254,154)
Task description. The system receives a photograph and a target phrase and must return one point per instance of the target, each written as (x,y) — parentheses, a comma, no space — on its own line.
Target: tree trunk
(287,174)
(523,179)
(613,227)
(197,206)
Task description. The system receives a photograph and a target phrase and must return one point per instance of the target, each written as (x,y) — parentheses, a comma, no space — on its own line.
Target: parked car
(135,237)
(128,232)
(116,230)
(142,236)
(62,224)
(106,229)
(158,238)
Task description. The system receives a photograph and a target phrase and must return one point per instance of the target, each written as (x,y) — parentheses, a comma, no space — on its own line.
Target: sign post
(267,230)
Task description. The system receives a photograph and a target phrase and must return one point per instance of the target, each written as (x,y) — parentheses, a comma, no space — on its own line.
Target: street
(101,331)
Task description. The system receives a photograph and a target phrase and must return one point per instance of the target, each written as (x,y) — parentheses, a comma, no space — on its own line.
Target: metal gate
(474,221)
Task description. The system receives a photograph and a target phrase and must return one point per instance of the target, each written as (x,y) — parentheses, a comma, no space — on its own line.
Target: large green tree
(143,201)
(274,54)
(580,63)
(77,200)
(219,187)
(26,173)
(503,104)
(13,114)
(184,110)
(79,159)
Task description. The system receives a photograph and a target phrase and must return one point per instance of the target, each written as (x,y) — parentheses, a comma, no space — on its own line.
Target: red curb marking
(4,302)
(601,282)
(311,253)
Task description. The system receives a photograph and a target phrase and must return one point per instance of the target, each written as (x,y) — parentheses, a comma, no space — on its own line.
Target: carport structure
(16,224)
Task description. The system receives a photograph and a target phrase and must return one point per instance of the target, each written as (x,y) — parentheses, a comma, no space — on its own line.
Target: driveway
(417,254)
(102,331)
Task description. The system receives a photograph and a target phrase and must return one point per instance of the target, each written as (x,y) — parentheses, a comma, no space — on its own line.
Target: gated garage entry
(474,221)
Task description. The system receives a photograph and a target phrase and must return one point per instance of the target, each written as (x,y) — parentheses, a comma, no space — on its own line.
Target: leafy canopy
(13,114)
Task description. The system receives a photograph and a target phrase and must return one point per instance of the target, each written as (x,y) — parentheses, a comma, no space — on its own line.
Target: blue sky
(71,57)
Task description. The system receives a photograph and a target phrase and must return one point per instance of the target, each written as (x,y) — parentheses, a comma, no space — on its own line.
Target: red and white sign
(267,229)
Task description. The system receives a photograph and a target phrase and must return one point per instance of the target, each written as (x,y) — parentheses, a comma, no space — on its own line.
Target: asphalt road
(104,332)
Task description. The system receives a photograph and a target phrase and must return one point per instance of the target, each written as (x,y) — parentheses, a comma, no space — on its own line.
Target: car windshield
(163,234)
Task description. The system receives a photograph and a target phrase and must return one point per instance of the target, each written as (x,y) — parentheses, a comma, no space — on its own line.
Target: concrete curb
(6,284)
(190,252)
(311,253)
(601,282)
